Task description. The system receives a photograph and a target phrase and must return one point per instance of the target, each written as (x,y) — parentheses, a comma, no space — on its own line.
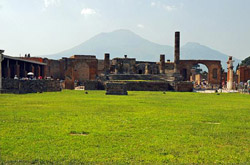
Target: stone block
(116,89)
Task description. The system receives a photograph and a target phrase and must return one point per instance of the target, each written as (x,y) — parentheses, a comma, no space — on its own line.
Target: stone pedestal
(116,89)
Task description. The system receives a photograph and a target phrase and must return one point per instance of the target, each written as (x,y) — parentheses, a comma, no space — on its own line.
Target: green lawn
(143,127)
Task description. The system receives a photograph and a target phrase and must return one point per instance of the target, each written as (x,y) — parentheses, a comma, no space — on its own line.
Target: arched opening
(140,71)
(199,75)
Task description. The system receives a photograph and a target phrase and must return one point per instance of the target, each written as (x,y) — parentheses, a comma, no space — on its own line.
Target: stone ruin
(116,89)
(94,74)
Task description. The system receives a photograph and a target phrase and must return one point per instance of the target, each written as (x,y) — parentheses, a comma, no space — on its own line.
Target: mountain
(118,43)
(121,42)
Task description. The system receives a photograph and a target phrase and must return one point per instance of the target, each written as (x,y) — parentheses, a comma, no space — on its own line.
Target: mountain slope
(121,42)
(118,43)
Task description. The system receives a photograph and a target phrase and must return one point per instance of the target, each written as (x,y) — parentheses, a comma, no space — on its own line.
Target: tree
(246,62)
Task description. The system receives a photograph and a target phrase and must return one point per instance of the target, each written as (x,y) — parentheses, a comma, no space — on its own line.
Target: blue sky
(43,27)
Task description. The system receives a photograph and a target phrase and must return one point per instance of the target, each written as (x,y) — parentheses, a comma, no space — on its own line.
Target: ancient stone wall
(134,77)
(79,69)
(93,85)
(54,69)
(243,73)
(214,69)
(114,88)
(183,86)
(148,86)
(30,86)
(101,67)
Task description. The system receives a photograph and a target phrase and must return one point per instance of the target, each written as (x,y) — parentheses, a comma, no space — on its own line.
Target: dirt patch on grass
(83,133)
(211,122)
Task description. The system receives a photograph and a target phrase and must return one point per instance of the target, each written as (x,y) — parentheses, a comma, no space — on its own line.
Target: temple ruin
(91,72)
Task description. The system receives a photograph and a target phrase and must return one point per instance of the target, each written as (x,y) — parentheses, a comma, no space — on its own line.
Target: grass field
(143,127)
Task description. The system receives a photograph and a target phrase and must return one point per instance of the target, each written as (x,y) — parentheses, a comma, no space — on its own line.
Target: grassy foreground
(143,127)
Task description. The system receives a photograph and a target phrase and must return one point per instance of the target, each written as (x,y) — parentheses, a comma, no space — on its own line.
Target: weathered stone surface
(116,89)
(148,86)
(214,69)
(30,86)
(183,86)
(134,77)
(93,85)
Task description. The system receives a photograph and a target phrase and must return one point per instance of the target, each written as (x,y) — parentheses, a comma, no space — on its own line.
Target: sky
(42,27)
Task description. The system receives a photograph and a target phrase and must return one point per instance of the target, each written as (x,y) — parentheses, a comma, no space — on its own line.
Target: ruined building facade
(87,67)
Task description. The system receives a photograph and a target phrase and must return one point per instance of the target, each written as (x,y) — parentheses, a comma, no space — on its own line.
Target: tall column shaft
(17,69)
(8,68)
(25,69)
(106,63)
(176,51)
(38,71)
(146,69)
(32,68)
(177,47)
(230,73)
(162,64)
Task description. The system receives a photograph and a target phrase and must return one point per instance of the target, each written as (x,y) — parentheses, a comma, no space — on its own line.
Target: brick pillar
(177,51)
(106,63)
(162,64)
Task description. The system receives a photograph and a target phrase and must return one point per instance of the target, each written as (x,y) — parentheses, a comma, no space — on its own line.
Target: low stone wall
(30,86)
(114,88)
(147,85)
(134,77)
(93,85)
(183,86)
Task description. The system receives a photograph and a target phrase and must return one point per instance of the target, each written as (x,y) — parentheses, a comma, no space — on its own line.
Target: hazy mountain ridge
(121,42)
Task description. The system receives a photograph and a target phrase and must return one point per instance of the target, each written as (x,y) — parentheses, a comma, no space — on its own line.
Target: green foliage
(246,61)
(71,127)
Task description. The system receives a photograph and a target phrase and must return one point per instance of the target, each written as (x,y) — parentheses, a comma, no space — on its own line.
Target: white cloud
(140,26)
(88,11)
(48,3)
(169,7)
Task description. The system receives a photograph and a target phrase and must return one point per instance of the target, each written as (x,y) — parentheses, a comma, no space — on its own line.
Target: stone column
(162,64)
(106,63)
(1,59)
(38,71)
(25,69)
(146,69)
(8,68)
(17,69)
(176,51)
(32,68)
(230,73)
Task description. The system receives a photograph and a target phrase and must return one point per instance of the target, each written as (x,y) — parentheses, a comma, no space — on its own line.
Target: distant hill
(121,42)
